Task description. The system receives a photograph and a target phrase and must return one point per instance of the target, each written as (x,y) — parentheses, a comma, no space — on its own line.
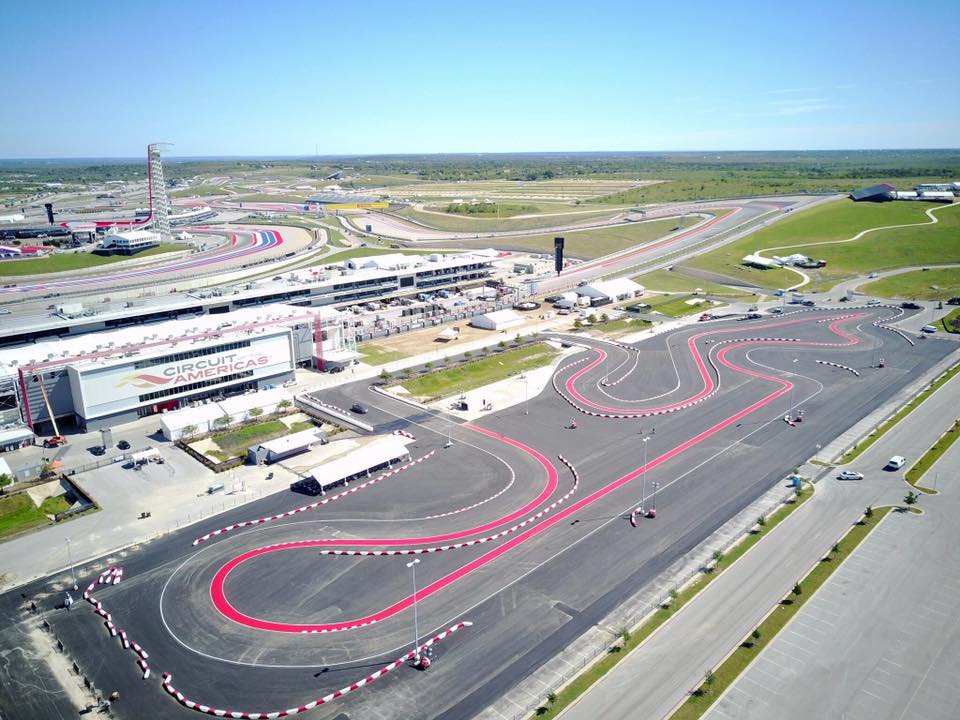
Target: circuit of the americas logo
(188,372)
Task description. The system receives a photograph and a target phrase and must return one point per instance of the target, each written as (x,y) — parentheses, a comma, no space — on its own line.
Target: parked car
(98,450)
(928,329)
(954,301)
(873,301)
(850,475)
(775,310)
(123,445)
(808,303)
(359,409)
(910,306)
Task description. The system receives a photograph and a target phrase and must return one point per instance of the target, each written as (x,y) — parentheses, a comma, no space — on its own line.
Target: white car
(850,475)
(895,463)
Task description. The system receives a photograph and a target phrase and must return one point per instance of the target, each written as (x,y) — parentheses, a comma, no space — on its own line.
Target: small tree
(911,498)
(755,637)
(674,596)
(468,354)
(578,323)
(708,680)
(625,635)
(868,513)
(256,412)
(604,318)
(717,558)
(428,365)
(517,340)
(284,404)
(502,344)
(797,590)
(47,470)
(223,421)
(551,698)
(5,479)
(836,548)
(384,375)
(188,431)
(761,521)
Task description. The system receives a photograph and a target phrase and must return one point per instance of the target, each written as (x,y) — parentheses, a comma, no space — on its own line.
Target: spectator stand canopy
(380,453)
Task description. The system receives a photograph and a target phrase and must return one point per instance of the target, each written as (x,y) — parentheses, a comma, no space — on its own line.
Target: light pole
(643,492)
(816,455)
(70,558)
(790,394)
(526,396)
(416,623)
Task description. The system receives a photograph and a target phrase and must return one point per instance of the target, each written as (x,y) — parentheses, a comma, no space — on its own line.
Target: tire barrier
(709,388)
(468,543)
(837,365)
(353,687)
(112,576)
(311,506)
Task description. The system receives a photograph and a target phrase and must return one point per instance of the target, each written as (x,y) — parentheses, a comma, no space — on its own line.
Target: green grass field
(18,513)
(494,367)
(916,472)
(551,215)
(951,321)
(374,354)
(620,326)
(805,232)
(234,443)
(674,306)
(589,244)
(916,285)
(667,281)
(74,261)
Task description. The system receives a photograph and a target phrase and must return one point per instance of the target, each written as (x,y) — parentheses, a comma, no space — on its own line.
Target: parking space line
(883,700)
(794,645)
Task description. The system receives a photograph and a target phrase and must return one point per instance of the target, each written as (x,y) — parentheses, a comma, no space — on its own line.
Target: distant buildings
(929,192)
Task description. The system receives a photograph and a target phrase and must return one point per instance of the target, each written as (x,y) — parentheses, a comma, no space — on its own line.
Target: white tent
(373,455)
(616,289)
(497,320)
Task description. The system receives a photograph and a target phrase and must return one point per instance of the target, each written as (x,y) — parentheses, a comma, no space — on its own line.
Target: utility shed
(497,320)
(378,454)
(280,448)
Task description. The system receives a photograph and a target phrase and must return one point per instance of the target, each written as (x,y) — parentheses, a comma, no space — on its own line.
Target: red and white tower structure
(157,190)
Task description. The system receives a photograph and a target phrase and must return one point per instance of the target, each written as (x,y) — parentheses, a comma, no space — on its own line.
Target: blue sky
(91,79)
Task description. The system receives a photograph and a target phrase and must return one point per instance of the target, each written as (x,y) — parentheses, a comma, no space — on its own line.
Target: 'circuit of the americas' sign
(192,371)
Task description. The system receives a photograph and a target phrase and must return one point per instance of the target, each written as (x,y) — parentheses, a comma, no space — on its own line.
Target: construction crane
(57,440)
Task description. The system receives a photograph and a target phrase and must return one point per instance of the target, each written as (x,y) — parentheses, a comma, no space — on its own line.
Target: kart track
(242,245)
(522,527)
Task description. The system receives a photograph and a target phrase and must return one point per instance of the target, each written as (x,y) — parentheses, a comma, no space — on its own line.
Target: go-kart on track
(245,620)
(242,244)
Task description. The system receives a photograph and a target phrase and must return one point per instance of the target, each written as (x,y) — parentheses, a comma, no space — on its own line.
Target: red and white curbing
(353,687)
(837,365)
(467,543)
(311,506)
(112,576)
(404,433)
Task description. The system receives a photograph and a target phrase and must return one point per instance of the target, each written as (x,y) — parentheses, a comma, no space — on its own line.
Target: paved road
(526,609)
(659,674)
(882,638)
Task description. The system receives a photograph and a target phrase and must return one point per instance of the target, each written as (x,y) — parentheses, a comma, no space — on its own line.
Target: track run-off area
(521,524)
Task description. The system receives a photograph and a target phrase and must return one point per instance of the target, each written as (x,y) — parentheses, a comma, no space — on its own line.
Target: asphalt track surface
(242,244)
(258,618)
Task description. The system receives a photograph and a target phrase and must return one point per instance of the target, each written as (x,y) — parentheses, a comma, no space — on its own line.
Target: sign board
(558,254)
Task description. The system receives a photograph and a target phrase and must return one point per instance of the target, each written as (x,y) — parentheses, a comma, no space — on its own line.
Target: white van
(896,462)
